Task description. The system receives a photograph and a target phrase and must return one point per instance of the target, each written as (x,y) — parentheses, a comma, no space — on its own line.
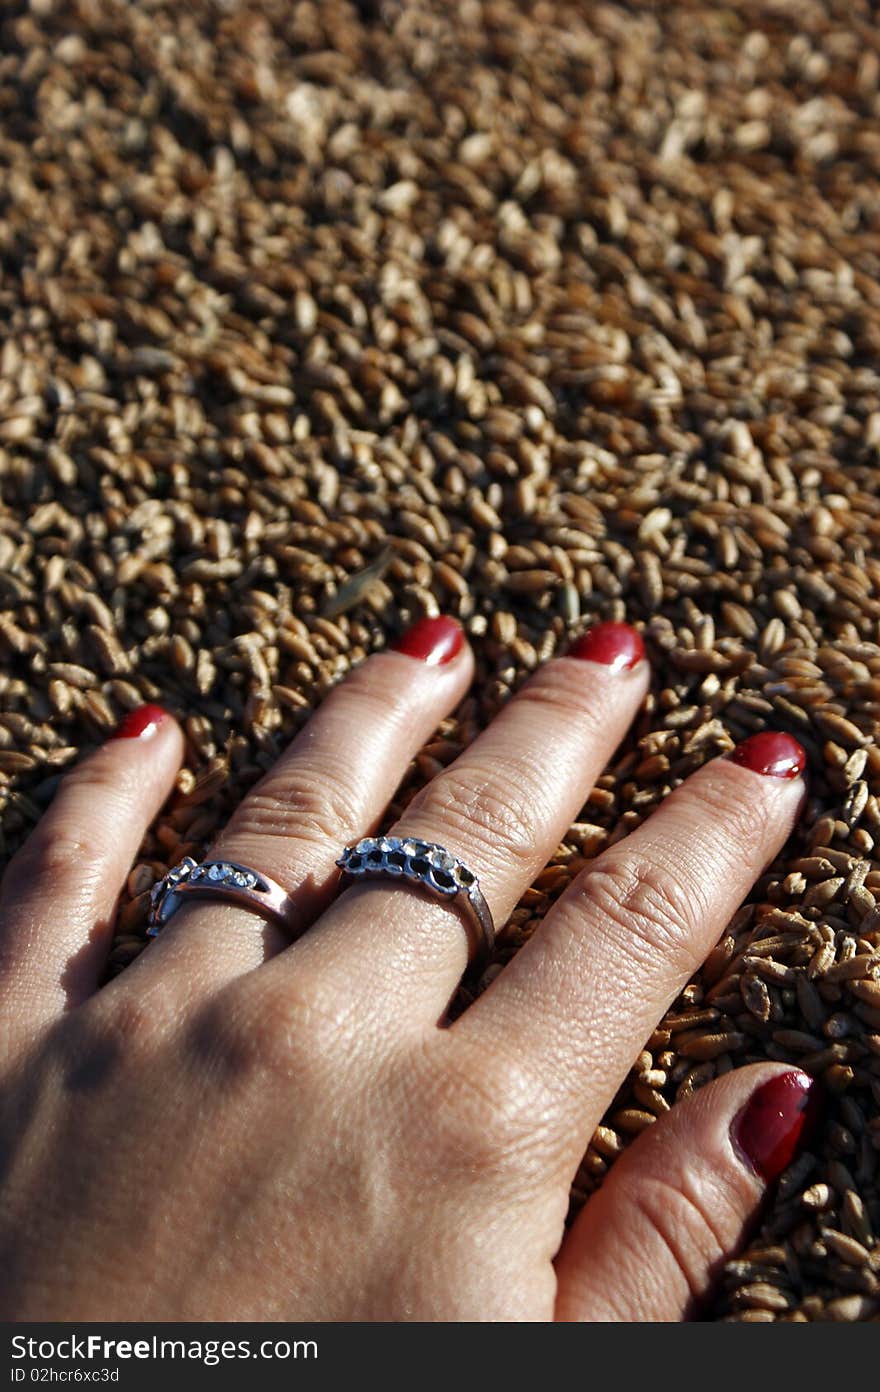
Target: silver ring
(433,867)
(238,884)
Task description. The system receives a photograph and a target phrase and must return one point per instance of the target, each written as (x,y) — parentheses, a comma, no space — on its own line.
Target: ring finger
(331,785)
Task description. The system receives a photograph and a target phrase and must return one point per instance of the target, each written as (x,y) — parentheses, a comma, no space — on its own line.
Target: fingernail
(771,752)
(434,641)
(615,644)
(776,1122)
(140,723)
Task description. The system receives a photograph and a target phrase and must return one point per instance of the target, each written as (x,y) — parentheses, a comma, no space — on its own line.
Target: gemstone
(240,879)
(442,859)
(198,873)
(216,872)
(410,848)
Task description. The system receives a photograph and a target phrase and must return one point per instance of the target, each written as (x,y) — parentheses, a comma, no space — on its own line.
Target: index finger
(578,1001)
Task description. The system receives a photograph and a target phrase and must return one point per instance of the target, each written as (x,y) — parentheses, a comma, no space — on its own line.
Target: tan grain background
(552,312)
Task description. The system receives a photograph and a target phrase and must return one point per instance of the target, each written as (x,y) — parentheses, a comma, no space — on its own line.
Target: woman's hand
(237,1128)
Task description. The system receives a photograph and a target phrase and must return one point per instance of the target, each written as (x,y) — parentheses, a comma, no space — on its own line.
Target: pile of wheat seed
(318,317)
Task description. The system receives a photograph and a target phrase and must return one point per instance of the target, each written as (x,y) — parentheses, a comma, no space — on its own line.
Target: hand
(237,1128)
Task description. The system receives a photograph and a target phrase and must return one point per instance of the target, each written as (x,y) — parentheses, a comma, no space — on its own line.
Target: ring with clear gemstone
(431,866)
(219,878)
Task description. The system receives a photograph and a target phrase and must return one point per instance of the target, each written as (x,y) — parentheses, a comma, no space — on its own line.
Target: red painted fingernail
(771,752)
(615,644)
(434,641)
(777,1122)
(140,723)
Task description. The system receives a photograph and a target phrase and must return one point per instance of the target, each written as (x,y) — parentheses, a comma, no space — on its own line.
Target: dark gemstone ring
(431,866)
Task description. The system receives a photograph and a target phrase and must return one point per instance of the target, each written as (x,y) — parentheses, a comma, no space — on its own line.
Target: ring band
(236,883)
(433,867)
(423,862)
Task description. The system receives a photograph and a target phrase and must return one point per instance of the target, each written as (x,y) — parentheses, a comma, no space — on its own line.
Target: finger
(330,787)
(59,893)
(612,954)
(501,807)
(677,1204)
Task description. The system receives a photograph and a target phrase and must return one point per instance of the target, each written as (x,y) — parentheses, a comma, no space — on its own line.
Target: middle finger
(502,807)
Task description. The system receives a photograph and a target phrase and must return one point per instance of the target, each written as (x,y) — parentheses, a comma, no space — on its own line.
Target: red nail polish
(616,645)
(776,1122)
(771,752)
(434,641)
(140,723)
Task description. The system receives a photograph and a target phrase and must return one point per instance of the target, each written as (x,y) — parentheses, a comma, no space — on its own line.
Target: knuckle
(747,823)
(375,692)
(678,1214)
(557,692)
(646,900)
(311,805)
(478,806)
(64,845)
(297,1032)
(124,1026)
(488,1115)
(65,851)
(53,852)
